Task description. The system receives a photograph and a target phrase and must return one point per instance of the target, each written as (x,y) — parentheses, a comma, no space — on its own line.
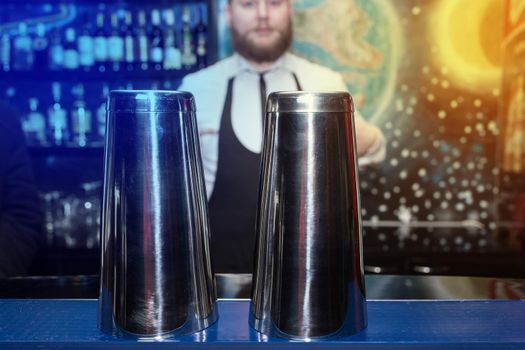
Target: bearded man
(230,97)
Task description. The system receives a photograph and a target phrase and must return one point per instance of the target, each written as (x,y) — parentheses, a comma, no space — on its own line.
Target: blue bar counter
(72,324)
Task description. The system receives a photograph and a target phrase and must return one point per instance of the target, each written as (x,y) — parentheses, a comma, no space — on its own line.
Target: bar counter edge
(392,324)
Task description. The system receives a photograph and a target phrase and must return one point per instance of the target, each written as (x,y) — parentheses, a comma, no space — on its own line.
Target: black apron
(233,204)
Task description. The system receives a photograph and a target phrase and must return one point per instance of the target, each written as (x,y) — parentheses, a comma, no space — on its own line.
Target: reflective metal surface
(156,278)
(308,277)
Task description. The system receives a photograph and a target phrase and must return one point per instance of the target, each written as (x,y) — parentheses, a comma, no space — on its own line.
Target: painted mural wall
(437,77)
(429,74)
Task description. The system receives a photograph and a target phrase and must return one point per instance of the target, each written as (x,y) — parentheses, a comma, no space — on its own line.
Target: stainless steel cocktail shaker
(156,277)
(308,278)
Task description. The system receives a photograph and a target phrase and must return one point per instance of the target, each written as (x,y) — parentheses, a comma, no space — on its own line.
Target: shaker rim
(309,101)
(150,101)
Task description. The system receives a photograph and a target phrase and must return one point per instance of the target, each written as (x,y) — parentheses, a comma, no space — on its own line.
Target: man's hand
(369,137)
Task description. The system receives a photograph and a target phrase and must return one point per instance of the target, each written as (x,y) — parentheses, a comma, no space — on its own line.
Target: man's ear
(228,15)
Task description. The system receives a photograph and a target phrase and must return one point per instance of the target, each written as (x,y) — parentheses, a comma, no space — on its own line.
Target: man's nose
(262,9)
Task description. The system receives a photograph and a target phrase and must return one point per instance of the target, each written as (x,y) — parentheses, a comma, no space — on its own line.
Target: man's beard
(249,50)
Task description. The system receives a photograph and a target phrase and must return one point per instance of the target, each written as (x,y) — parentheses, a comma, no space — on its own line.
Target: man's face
(261,29)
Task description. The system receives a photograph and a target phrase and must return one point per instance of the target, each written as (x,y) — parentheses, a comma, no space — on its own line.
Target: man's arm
(371,144)
(20,210)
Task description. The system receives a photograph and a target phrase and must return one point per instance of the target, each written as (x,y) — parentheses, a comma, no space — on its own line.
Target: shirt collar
(244,66)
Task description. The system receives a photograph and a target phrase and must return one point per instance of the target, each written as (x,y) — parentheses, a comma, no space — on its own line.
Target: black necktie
(262,90)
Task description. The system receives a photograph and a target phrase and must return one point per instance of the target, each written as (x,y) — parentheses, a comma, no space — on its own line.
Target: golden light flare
(467,38)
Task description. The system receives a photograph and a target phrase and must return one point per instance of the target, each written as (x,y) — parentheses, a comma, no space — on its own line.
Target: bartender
(20,211)
(230,97)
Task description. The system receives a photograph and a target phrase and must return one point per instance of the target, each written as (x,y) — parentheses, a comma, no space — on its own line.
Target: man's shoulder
(208,86)
(312,73)
(306,66)
(217,72)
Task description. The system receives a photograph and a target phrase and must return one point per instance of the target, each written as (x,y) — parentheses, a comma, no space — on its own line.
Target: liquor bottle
(100,44)
(115,44)
(129,41)
(56,51)
(156,41)
(80,119)
(5,52)
(34,125)
(23,56)
(40,47)
(201,36)
(142,41)
(71,56)
(5,44)
(101,116)
(188,56)
(172,54)
(86,46)
(57,118)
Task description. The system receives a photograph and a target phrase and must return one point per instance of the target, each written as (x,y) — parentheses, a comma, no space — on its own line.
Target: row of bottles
(64,109)
(74,124)
(67,115)
(131,39)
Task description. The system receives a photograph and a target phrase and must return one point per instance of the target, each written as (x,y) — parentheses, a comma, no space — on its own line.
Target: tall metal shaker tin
(156,278)
(308,281)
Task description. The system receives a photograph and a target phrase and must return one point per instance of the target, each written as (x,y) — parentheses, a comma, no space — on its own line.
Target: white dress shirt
(209,88)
